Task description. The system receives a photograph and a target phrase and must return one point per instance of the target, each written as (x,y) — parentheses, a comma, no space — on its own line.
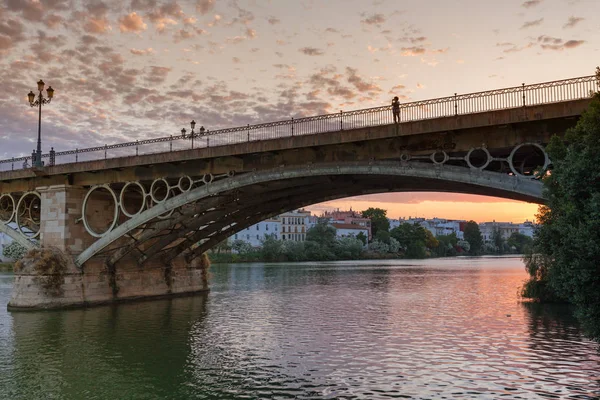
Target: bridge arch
(212,212)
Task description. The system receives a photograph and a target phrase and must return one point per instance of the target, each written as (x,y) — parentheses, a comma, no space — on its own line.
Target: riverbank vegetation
(405,241)
(6,267)
(564,264)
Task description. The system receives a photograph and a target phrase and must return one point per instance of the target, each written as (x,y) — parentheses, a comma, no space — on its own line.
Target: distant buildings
(293,226)
(506,229)
(347,230)
(348,218)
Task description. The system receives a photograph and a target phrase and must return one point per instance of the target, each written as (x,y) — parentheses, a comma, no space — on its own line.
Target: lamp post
(33,102)
(193,134)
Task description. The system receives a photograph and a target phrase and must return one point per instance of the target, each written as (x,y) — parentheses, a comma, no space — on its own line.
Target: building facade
(348,218)
(294,225)
(255,234)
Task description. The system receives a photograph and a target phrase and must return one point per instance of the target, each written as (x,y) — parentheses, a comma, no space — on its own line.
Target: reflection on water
(422,329)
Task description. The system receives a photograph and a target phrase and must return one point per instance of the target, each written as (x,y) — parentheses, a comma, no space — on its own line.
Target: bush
(14,251)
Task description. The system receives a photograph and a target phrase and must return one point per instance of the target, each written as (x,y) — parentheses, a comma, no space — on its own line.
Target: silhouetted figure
(396,109)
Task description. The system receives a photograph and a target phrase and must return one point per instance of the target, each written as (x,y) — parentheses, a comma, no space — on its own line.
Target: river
(430,329)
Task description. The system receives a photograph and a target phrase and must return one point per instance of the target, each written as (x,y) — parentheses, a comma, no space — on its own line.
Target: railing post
(76,155)
(248,132)
(171,143)
(455,105)
(52,157)
(136,147)
(523,85)
(292,126)
(193,134)
(13,164)
(105,148)
(341,119)
(207,142)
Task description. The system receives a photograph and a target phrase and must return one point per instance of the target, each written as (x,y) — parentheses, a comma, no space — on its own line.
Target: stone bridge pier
(49,277)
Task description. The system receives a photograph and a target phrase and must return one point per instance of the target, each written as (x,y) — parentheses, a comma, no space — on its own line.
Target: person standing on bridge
(396,109)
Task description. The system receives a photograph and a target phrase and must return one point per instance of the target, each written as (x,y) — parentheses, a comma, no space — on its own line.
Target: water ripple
(426,330)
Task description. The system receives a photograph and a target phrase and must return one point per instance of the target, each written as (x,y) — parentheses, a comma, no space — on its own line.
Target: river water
(431,329)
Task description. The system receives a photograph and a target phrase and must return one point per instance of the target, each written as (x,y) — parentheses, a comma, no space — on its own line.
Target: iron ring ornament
(160,191)
(28,215)
(440,157)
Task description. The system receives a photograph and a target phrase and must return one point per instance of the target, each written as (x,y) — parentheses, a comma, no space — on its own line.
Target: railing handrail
(296,121)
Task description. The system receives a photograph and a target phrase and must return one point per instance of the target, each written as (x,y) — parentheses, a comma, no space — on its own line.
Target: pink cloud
(132,23)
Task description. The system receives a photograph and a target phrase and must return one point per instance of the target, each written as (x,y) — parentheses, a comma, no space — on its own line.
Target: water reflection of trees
(130,348)
(551,321)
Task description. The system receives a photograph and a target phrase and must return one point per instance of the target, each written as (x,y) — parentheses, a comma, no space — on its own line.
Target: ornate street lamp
(193,134)
(37,162)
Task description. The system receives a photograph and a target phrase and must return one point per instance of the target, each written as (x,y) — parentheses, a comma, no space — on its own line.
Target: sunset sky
(136,69)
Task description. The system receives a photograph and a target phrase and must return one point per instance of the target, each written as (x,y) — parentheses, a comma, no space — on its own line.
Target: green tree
(241,247)
(294,251)
(498,241)
(362,237)
(521,243)
(382,236)
(412,238)
(430,241)
(473,236)
(349,248)
(320,242)
(379,221)
(323,234)
(271,248)
(567,243)
(446,246)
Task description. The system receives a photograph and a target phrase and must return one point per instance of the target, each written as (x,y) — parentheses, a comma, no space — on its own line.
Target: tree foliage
(14,251)
(520,243)
(446,245)
(567,244)
(379,221)
(473,236)
(413,239)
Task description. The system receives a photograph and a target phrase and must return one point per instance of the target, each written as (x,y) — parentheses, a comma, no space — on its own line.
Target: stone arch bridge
(130,226)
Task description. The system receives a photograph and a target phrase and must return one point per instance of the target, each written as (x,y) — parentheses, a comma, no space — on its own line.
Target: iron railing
(513,97)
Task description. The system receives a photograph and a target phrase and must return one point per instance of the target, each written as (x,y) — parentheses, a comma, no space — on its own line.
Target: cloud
(529,24)
(97,25)
(311,51)
(142,52)
(205,6)
(531,3)
(29,9)
(157,75)
(360,84)
(412,51)
(132,23)
(375,19)
(572,22)
(552,43)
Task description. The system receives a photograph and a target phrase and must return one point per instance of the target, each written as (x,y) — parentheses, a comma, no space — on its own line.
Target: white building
(347,230)
(294,225)
(505,228)
(527,228)
(255,234)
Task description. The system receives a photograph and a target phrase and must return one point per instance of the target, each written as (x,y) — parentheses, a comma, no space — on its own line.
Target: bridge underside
(195,220)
